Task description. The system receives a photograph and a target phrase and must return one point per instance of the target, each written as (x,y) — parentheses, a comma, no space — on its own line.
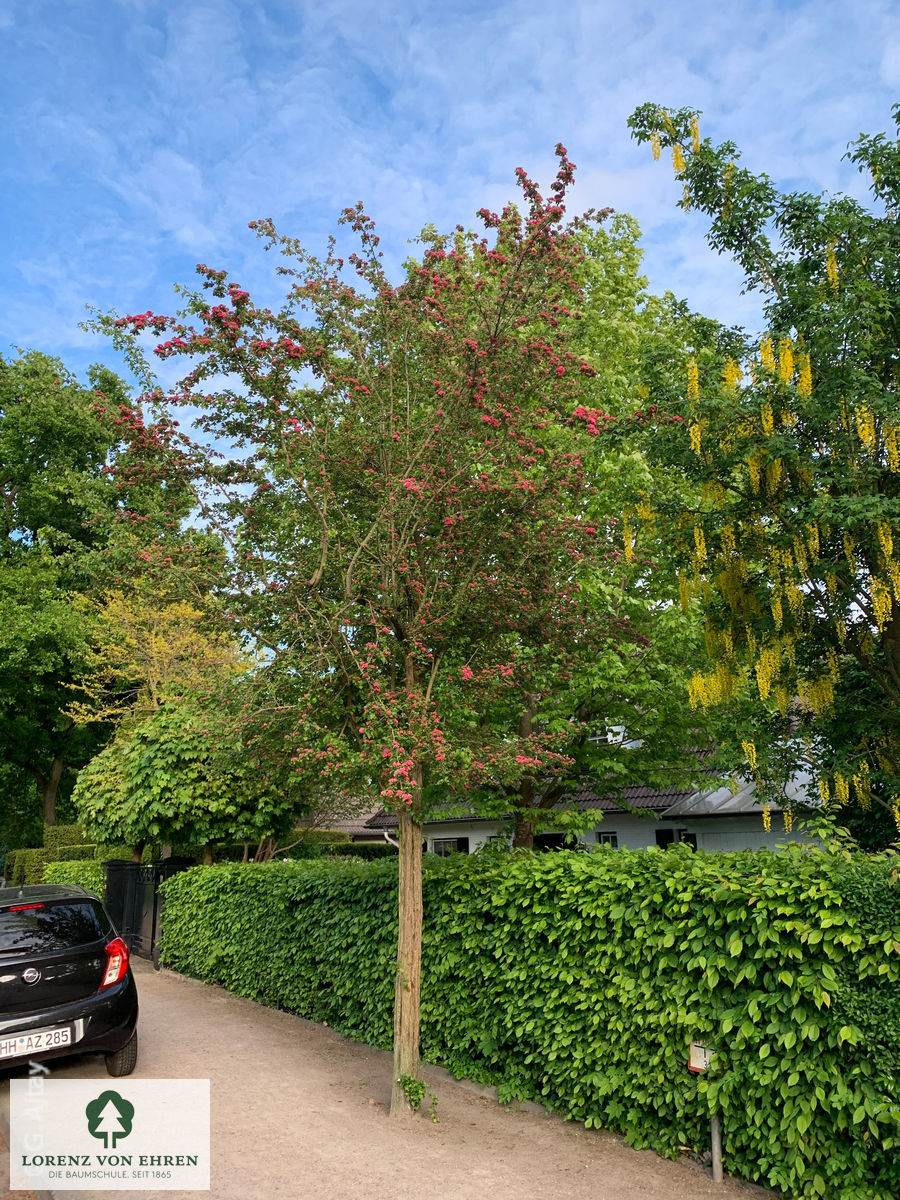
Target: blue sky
(139,138)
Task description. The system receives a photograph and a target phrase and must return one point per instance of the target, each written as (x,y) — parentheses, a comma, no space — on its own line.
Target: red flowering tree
(406,506)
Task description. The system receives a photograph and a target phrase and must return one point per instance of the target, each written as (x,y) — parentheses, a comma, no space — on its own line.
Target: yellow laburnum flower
(890,445)
(767,666)
(645,512)
(655,145)
(684,592)
(754,465)
(785,360)
(750,754)
(885,539)
(895,809)
(882,602)
(812,541)
(800,556)
(849,547)
(831,584)
(693,384)
(841,630)
(767,818)
(788,820)
(831,267)
(695,134)
(767,353)
(782,699)
(678,157)
(732,374)
(865,425)
(833,664)
(824,791)
(628,540)
(841,788)
(768,421)
(695,438)
(804,377)
(773,476)
(777,612)
(699,544)
(894,572)
(727,539)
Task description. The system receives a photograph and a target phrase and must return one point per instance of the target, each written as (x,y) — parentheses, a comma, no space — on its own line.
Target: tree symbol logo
(109,1117)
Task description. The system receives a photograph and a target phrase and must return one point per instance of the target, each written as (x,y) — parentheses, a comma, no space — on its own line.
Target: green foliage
(89,875)
(792,447)
(578,980)
(56,836)
(86,853)
(15,868)
(182,776)
(35,861)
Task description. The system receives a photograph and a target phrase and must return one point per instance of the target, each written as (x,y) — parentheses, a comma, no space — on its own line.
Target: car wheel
(123,1062)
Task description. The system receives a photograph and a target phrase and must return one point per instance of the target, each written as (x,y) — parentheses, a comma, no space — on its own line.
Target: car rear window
(52,927)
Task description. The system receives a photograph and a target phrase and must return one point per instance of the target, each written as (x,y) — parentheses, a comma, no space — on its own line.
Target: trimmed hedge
(56,836)
(15,868)
(87,874)
(578,980)
(35,862)
(76,853)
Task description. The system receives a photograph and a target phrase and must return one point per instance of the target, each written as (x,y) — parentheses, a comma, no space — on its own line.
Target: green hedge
(56,836)
(35,862)
(76,853)
(87,874)
(578,980)
(15,868)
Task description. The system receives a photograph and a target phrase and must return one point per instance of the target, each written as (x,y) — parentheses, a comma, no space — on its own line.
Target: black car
(65,983)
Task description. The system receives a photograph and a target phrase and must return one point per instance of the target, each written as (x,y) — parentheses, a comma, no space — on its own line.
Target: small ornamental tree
(182,776)
(406,502)
(792,448)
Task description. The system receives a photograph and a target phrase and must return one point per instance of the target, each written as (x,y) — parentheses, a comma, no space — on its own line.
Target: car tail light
(23,907)
(116,962)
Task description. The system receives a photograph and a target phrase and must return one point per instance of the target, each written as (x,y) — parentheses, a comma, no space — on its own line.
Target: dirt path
(298,1111)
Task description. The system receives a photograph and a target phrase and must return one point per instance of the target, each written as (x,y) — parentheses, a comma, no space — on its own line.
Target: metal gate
(134,903)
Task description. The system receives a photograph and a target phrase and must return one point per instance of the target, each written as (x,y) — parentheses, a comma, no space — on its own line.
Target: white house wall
(636,833)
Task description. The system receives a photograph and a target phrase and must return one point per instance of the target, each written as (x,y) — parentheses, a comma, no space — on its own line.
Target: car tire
(123,1062)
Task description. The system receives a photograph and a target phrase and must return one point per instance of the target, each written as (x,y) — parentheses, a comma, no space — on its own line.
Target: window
(608,839)
(668,837)
(445,846)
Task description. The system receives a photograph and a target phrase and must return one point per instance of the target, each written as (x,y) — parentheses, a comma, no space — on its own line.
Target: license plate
(34,1040)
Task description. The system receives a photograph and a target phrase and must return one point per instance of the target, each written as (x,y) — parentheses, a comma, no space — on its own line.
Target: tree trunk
(51,789)
(523,827)
(409,953)
(523,831)
(137,852)
(207,856)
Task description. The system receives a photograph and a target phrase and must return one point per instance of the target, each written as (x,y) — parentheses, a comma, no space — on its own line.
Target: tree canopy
(791,441)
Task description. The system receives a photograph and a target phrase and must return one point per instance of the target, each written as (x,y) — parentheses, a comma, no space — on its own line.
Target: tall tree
(408,490)
(792,444)
(90,495)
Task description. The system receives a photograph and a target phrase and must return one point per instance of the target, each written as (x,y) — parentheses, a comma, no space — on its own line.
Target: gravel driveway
(300,1112)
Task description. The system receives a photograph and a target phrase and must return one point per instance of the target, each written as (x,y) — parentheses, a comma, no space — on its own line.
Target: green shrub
(106,853)
(15,868)
(75,853)
(366,850)
(87,874)
(326,837)
(56,836)
(35,861)
(578,981)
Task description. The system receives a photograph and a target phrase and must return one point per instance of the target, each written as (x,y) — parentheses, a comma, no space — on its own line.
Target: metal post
(715,1130)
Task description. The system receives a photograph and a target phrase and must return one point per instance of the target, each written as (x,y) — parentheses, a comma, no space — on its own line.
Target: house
(718,818)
